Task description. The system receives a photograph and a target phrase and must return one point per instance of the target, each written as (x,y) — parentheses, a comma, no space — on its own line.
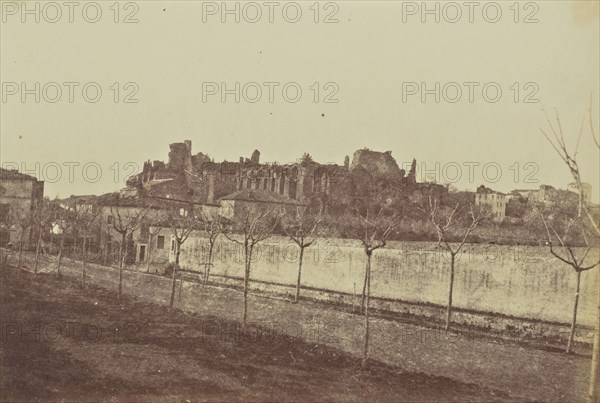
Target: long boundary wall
(521,281)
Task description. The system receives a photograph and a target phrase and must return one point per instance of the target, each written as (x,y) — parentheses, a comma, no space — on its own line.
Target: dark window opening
(142,253)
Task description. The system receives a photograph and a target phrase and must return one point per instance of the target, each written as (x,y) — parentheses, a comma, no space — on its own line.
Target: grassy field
(62,342)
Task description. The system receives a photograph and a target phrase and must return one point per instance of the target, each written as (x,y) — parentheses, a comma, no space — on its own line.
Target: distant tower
(412,173)
(180,156)
(347,162)
(255,158)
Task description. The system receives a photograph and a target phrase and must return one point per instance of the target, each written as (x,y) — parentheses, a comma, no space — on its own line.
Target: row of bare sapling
(453,216)
(374,218)
(48,217)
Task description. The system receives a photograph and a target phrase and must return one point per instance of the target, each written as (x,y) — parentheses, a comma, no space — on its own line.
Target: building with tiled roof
(254,199)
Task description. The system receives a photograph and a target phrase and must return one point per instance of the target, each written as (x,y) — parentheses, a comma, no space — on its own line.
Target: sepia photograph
(300,201)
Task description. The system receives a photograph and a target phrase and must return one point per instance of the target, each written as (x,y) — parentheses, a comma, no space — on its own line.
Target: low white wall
(521,281)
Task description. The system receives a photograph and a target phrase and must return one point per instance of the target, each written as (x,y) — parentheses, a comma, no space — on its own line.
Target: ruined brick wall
(299,181)
(180,157)
(296,181)
(375,162)
(199,160)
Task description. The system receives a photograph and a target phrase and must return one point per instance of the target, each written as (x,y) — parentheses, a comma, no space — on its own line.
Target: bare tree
(42,218)
(86,215)
(254,226)
(107,242)
(556,138)
(371,194)
(181,220)
(302,228)
(24,218)
(374,225)
(126,220)
(571,255)
(213,226)
(448,220)
(64,222)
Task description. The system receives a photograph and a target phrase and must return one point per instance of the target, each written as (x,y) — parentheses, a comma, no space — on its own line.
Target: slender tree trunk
(122,253)
(60,252)
(207,271)
(174,277)
(248,257)
(74,247)
(299,274)
(20,259)
(364,291)
(106,246)
(85,242)
(450,291)
(37,251)
(574,321)
(148,254)
(593,390)
(365,356)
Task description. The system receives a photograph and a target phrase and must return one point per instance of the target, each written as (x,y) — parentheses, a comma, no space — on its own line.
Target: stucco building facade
(20,194)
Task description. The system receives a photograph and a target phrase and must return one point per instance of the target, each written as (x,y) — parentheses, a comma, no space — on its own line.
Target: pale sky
(370,54)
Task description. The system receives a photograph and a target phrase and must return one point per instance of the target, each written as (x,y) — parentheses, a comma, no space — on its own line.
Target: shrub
(168,271)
